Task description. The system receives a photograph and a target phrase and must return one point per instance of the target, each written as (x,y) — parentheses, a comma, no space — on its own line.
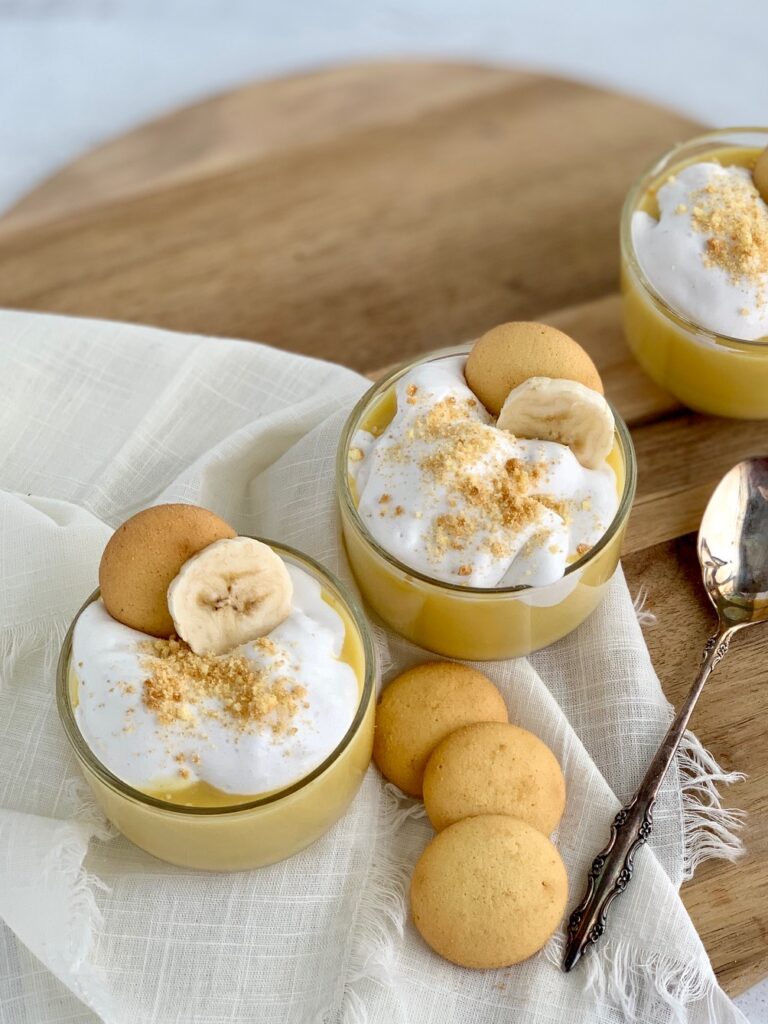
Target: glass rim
(91,762)
(345,495)
(638,188)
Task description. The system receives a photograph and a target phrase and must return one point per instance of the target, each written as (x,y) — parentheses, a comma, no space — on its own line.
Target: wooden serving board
(368,213)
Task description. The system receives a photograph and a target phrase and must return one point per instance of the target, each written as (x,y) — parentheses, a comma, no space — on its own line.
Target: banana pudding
(228,723)
(484,492)
(694,242)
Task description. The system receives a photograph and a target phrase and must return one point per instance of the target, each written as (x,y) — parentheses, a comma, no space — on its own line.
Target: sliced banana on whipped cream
(233,591)
(552,409)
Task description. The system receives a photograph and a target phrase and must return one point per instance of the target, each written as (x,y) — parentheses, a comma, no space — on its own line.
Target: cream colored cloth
(98,420)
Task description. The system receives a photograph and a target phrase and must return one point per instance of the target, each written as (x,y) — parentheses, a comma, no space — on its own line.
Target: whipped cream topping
(133,743)
(707,254)
(450,495)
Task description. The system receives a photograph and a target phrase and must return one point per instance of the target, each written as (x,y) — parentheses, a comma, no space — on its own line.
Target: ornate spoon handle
(612,868)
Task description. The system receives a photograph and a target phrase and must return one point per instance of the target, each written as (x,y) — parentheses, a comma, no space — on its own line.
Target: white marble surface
(75,72)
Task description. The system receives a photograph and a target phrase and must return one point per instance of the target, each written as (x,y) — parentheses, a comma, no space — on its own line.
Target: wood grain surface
(368,213)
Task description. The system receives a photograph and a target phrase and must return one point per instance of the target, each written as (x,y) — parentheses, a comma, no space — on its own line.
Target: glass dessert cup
(709,372)
(472,623)
(267,828)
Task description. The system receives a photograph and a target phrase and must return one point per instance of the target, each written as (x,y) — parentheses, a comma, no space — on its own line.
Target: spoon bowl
(733,544)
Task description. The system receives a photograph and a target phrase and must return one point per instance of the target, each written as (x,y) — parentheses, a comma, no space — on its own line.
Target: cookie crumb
(734,216)
(180,684)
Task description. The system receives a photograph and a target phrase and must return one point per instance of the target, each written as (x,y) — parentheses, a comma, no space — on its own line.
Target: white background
(76,72)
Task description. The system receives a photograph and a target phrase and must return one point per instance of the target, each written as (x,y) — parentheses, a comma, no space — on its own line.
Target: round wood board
(367,213)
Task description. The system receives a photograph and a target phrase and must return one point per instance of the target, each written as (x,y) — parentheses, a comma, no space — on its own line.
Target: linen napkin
(98,420)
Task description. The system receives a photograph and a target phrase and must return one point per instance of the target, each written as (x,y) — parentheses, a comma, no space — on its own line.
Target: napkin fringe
(645,617)
(381,912)
(78,804)
(84,917)
(621,974)
(709,829)
(67,919)
(19,641)
(82,821)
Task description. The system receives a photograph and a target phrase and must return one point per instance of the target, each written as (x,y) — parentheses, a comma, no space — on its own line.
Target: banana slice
(551,409)
(233,591)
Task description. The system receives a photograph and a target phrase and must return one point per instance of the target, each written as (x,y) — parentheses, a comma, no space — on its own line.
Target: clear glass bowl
(469,622)
(707,371)
(246,835)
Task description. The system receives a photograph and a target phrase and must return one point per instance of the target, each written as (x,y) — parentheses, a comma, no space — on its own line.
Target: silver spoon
(733,554)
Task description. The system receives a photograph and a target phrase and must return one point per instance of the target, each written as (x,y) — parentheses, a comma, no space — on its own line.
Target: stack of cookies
(490,888)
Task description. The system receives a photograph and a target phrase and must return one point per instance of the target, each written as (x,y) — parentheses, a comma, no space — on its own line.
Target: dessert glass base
(472,623)
(708,372)
(266,828)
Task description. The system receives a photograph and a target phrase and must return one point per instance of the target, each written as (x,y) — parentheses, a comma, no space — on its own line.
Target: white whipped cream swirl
(130,741)
(402,502)
(673,256)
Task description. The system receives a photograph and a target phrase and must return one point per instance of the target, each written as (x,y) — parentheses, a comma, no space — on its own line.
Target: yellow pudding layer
(462,622)
(199,827)
(706,371)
